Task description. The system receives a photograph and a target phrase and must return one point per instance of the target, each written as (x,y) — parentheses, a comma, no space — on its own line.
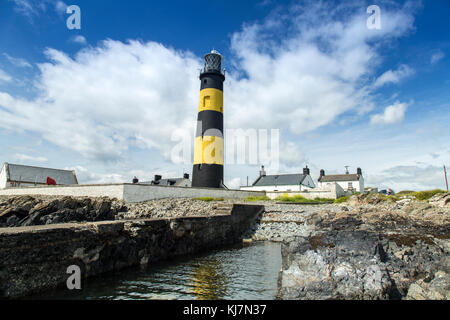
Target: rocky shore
(370,247)
(364,249)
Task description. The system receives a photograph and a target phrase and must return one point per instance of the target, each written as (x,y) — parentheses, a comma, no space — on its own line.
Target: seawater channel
(241,272)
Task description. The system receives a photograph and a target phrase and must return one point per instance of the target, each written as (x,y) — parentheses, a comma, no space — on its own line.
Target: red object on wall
(51,182)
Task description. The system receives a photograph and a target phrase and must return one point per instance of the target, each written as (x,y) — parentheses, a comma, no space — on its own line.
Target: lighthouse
(209,143)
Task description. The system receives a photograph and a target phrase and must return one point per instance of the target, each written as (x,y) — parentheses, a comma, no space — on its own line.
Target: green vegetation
(425,195)
(259,198)
(342,199)
(420,195)
(404,192)
(208,199)
(300,199)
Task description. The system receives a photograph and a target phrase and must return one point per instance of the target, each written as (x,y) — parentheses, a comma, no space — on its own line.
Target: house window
(350,185)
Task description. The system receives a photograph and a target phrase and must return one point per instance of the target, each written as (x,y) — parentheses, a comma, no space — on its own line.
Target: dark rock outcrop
(22,211)
(370,252)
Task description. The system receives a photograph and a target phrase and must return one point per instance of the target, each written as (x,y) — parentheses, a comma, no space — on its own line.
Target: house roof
(30,174)
(339,177)
(280,180)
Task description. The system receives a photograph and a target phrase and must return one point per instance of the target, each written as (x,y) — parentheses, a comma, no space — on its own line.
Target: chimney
(306,171)
(186,175)
(322,172)
(262,173)
(359,171)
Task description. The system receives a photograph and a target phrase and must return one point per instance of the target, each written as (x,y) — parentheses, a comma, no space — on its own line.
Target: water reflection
(249,272)
(208,280)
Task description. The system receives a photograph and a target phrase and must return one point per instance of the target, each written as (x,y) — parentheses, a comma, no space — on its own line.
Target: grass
(404,192)
(419,195)
(208,199)
(259,198)
(300,199)
(342,199)
(425,195)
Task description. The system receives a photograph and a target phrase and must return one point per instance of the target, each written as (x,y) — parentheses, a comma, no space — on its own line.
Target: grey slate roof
(339,177)
(30,174)
(280,180)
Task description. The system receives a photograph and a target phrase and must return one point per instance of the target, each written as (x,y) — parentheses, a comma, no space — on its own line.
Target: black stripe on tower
(207,175)
(211,80)
(209,119)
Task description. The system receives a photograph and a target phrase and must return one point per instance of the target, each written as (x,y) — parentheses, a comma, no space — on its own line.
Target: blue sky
(107,99)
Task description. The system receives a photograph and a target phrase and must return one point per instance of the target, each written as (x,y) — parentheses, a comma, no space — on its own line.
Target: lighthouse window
(205,81)
(206,102)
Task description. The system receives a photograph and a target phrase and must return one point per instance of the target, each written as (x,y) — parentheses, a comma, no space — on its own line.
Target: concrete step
(222,211)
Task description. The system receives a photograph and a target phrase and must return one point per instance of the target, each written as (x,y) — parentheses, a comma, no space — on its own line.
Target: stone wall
(36,258)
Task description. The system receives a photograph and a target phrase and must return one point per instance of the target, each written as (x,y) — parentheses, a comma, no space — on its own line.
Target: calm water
(244,272)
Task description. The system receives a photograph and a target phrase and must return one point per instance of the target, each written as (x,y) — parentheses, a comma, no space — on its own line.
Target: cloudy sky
(115,99)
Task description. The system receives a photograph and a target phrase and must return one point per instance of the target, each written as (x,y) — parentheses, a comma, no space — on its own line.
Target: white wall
(111,190)
(3,178)
(358,186)
(331,191)
(131,192)
(138,193)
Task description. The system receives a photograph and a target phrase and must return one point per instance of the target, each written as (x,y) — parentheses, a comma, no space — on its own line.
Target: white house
(282,182)
(349,182)
(17,175)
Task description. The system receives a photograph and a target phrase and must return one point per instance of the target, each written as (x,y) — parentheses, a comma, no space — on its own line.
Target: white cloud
(392,114)
(24,6)
(408,177)
(4,77)
(84,176)
(108,98)
(18,62)
(79,39)
(27,158)
(394,76)
(233,183)
(60,7)
(308,79)
(436,57)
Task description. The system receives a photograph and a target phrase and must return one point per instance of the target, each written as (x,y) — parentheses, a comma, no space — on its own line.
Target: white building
(17,175)
(349,182)
(282,182)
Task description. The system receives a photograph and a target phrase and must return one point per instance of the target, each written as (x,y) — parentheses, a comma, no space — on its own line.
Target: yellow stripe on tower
(211,99)
(208,150)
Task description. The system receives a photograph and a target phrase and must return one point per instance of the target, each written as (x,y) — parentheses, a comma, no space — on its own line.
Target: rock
(441,200)
(436,289)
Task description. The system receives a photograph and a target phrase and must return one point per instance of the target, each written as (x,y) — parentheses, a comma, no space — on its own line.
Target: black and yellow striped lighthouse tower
(209,143)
